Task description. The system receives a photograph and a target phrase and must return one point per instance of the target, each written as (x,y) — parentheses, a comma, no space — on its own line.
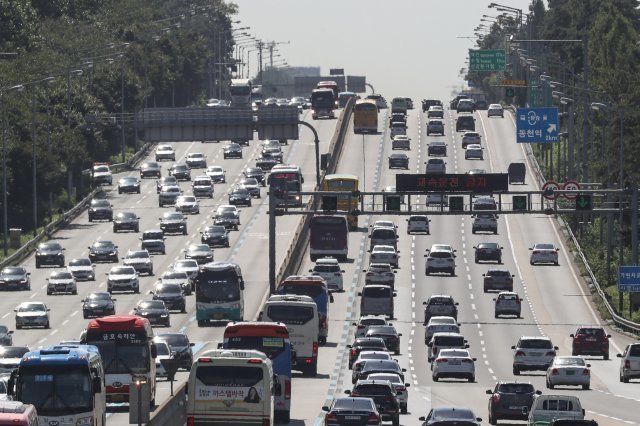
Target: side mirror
(348,392)
(538,392)
(513,347)
(430,344)
(608,336)
(571,335)
(474,359)
(325,408)
(555,347)
(154,351)
(359,293)
(489,392)
(422,418)
(589,365)
(424,303)
(399,334)
(404,370)
(97,384)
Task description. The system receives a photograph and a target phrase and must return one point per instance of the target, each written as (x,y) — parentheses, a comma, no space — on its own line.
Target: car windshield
(574,360)
(180,167)
(125,215)
(13,351)
(168,288)
(175,275)
(371,389)
(440,301)
(536,344)
(50,246)
(199,247)
(100,203)
(356,404)
(99,296)
(499,273)
(186,264)
(591,332)
(215,230)
(172,216)
(371,342)
(373,321)
(175,339)
(13,271)
(440,254)
(103,244)
(634,350)
(216,169)
(138,255)
(151,304)
(448,341)
(457,414)
(544,247)
(516,388)
(61,275)
(122,270)
(32,307)
(187,199)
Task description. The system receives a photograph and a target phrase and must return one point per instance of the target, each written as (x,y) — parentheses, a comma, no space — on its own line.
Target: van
(517,173)
(17,413)
(383,236)
(152,240)
(548,407)
(377,299)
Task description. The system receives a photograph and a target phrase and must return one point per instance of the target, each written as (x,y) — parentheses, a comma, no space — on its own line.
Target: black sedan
(98,304)
(172,296)
(150,169)
(352,411)
(126,221)
(201,253)
(129,185)
(155,311)
(50,253)
(256,173)
(103,250)
(180,171)
(365,344)
(387,333)
(240,196)
(15,277)
(215,236)
(232,150)
(180,346)
(488,252)
(173,223)
(399,161)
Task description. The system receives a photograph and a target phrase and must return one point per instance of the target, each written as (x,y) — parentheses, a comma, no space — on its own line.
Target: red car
(590,341)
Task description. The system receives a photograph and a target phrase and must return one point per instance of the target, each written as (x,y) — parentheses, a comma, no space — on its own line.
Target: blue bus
(271,338)
(315,287)
(64,382)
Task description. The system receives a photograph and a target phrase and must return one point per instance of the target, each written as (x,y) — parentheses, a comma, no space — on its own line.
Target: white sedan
(384,254)
(569,370)
(454,363)
(473,151)
(495,110)
(544,253)
(363,357)
(440,324)
(187,204)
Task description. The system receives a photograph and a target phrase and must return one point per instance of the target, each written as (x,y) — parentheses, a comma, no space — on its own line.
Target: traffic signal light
(329,203)
(456,203)
(520,203)
(509,92)
(392,203)
(583,202)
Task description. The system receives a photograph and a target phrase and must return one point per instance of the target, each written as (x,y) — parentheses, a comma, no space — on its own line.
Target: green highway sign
(583,202)
(329,203)
(487,60)
(392,203)
(520,203)
(456,204)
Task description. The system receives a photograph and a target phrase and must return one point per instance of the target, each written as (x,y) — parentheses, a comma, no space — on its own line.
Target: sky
(403,47)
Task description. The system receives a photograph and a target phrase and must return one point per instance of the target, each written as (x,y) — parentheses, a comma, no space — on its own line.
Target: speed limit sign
(550,190)
(571,185)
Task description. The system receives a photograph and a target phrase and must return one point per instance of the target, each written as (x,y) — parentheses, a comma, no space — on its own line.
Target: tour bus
(365,116)
(240,90)
(271,338)
(219,292)
(230,387)
(300,314)
(286,178)
(323,104)
(64,382)
(126,346)
(344,183)
(329,236)
(315,287)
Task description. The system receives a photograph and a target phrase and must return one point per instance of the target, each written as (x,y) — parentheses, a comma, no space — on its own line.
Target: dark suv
(508,399)
(365,344)
(498,279)
(590,341)
(100,209)
(383,395)
(440,305)
(180,347)
(465,122)
(126,221)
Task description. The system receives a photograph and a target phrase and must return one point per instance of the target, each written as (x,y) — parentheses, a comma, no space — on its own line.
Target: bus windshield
(223,376)
(56,389)
(341,185)
(289,314)
(312,290)
(222,286)
(123,358)
(270,346)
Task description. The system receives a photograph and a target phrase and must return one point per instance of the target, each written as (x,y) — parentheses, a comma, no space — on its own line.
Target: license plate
(590,340)
(454,362)
(515,407)
(217,316)
(117,398)
(352,417)
(570,373)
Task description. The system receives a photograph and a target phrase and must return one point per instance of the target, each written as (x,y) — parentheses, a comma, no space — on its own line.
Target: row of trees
(609,74)
(70,68)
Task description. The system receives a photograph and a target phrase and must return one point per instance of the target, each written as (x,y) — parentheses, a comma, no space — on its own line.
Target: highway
(556,301)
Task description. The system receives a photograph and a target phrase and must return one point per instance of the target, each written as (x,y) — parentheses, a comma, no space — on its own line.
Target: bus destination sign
(483,183)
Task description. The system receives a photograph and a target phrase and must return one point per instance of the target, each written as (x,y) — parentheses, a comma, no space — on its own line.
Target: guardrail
(168,414)
(72,213)
(619,321)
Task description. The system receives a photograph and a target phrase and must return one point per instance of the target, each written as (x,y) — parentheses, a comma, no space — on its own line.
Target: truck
(101,174)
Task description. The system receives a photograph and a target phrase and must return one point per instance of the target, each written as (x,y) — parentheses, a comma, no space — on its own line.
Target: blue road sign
(629,279)
(537,125)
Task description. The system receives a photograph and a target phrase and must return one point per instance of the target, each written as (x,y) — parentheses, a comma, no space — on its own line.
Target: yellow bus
(341,183)
(365,117)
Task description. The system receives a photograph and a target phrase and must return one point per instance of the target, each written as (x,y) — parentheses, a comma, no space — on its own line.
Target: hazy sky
(403,47)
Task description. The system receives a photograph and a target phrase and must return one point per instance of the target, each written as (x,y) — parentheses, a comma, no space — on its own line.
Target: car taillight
(354,352)
(330,417)
(627,363)
(496,398)
(389,398)
(520,353)
(373,419)
(554,371)
(287,389)
(517,301)
(191,421)
(315,349)
(323,322)
(586,372)
(400,388)
(361,326)
(550,353)
(536,252)
(439,360)
(354,393)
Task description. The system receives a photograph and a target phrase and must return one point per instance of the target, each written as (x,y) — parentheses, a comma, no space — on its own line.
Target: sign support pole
(272,244)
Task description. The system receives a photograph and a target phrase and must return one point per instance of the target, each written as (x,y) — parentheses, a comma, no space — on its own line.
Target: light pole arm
(317,144)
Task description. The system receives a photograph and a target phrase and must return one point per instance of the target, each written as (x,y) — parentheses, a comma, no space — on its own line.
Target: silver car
(474,152)
(418,224)
(533,353)
(454,363)
(507,303)
(82,269)
(384,254)
(187,204)
(32,314)
(544,253)
(569,370)
(630,363)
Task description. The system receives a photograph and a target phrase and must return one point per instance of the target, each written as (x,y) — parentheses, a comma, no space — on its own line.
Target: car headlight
(164,315)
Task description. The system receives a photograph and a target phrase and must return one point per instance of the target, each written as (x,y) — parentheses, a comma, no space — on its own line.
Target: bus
(231,387)
(240,90)
(126,346)
(323,104)
(271,338)
(329,237)
(286,178)
(330,85)
(316,288)
(365,117)
(300,314)
(64,382)
(344,183)
(219,292)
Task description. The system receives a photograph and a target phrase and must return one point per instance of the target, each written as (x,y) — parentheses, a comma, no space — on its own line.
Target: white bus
(219,292)
(300,314)
(231,387)
(240,91)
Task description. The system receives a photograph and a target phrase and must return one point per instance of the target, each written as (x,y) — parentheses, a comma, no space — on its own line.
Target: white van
(548,407)
(18,414)
(300,314)
(377,299)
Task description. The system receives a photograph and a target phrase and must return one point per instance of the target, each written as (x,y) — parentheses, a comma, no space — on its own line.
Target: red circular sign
(553,186)
(571,185)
